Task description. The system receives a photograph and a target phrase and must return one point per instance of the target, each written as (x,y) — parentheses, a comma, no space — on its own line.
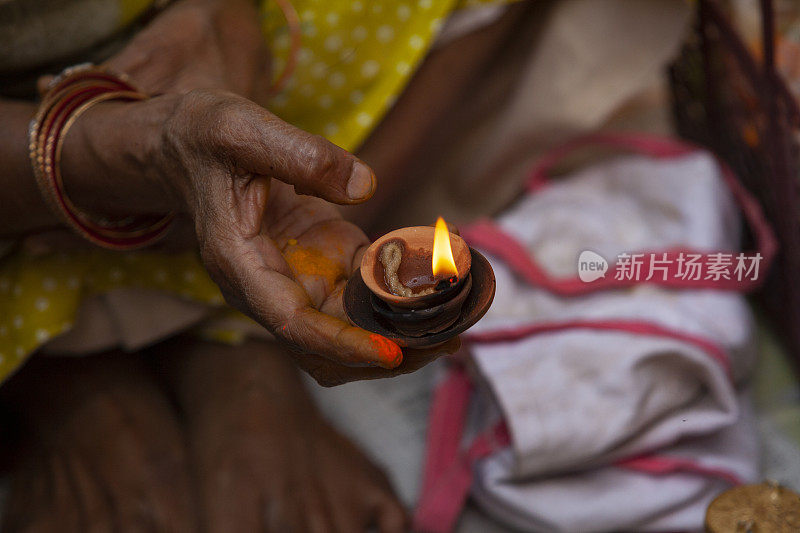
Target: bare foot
(103,450)
(265,458)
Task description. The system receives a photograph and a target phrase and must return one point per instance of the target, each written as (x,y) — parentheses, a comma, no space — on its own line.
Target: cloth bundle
(619,409)
(626,409)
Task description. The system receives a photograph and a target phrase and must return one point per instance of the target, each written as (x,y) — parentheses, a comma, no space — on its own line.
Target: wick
(443,284)
(391,256)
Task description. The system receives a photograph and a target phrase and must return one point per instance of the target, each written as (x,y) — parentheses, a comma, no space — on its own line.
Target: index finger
(335,339)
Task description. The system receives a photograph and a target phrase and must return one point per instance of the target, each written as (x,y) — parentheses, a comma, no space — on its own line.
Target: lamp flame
(443,263)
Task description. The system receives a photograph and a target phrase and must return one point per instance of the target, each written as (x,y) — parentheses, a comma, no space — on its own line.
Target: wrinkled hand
(278,256)
(216,154)
(200,44)
(322,250)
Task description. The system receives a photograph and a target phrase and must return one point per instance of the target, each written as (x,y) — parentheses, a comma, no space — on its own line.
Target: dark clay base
(421,322)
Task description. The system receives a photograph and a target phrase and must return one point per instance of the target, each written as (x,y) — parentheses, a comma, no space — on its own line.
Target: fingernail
(361,182)
(390,353)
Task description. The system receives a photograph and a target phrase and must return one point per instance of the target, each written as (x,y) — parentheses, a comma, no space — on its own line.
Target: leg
(265,458)
(102,449)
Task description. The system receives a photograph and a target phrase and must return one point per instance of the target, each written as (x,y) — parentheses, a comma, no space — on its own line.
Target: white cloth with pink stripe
(625,407)
(668,491)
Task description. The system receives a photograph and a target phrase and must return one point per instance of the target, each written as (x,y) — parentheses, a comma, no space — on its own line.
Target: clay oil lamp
(419,286)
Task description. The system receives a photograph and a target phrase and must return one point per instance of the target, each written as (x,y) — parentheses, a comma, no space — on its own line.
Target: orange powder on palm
(306,261)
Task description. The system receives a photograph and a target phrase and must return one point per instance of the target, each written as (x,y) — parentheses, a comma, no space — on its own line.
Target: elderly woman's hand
(283,264)
(280,257)
(200,44)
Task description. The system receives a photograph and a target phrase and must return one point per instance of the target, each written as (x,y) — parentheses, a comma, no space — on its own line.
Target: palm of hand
(307,252)
(296,254)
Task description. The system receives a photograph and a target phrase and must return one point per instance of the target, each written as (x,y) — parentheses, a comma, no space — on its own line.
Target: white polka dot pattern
(355,58)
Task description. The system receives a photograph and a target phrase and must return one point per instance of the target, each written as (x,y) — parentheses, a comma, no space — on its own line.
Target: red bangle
(68,96)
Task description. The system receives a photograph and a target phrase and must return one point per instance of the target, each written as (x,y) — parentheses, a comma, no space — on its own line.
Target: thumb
(264,144)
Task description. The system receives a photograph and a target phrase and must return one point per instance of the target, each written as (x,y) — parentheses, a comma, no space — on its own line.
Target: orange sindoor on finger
(389,351)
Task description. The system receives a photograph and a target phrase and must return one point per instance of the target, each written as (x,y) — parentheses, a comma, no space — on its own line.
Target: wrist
(110,160)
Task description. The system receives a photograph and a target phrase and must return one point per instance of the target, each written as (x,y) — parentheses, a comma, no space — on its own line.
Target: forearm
(107,161)
(104,166)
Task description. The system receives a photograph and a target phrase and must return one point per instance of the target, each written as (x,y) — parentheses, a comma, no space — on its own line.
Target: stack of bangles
(68,96)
